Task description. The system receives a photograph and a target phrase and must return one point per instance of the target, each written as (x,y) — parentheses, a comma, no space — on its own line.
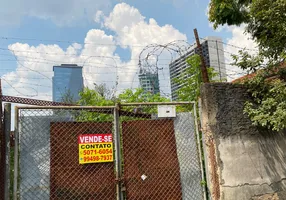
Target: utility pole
(204,71)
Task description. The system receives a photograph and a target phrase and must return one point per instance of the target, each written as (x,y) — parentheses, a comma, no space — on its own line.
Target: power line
(232,45)
(69,42)
(14,88)
(106,44)
(66,54)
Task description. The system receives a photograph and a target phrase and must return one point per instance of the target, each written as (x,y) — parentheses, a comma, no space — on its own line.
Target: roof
(248,76)
(67,66)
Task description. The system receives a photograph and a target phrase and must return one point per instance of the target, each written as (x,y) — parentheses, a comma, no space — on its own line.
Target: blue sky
(185,16)
(118,23)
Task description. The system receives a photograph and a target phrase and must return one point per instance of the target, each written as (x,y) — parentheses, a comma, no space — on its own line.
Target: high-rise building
(149,81)
(67,81)
(213,53)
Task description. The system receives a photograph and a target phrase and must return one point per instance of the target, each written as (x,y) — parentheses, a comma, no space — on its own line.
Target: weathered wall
(243,161)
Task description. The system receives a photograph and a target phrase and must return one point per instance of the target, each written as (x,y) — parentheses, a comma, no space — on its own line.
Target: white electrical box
(166,111)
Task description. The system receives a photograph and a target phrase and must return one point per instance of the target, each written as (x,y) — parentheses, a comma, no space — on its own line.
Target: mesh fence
(49,155)
(2,156)
(160,154)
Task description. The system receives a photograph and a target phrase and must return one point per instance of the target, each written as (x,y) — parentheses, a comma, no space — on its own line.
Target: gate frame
(16,150)
(117,139)
(199,144)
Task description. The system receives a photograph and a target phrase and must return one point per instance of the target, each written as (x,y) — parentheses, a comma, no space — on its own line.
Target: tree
(99,96)
(264,19)
(139,95)
(271,96)
(104,91)
(68,98)
(93,97)
(230,12)
(191,79)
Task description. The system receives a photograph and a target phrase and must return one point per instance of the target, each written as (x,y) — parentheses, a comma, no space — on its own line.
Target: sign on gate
(95,148)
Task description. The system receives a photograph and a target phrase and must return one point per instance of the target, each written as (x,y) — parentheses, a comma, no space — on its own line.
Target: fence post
(200,149)
(16,151)
(2,151)
(7,130)
(118,163)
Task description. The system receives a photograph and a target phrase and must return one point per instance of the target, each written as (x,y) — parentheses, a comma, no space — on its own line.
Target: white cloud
(98,16)
(123,15)
(101,63)
(63,12)
(239,39)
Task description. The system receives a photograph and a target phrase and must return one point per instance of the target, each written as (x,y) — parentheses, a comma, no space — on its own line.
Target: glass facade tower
(68,81)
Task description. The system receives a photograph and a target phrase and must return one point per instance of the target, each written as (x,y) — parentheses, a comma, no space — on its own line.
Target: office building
(213,53)
(67,81)
(149,81)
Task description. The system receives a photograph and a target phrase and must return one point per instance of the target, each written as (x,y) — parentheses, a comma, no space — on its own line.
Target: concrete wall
(243,161)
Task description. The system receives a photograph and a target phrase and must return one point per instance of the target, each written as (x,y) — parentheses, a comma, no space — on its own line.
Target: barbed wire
(148,59)
(228,44)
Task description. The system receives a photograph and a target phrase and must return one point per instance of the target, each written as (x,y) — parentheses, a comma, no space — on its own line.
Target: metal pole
(218,60)
(7,130)
(158,103)
(118,163)
(65,107)
(204,71)
(16,133)
(2,151)
(200,150)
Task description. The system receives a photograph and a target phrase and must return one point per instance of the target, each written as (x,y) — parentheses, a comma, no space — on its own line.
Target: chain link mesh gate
(160,157)
(49,154)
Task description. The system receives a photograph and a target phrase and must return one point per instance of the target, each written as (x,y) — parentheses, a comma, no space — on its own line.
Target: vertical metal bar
(16,149)
(218,61)
(204,70)
(200,149)
(118,163)
(2,150)
(7,126)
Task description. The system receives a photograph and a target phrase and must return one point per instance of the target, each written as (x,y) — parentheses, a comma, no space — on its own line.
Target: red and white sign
(95,148)
(94,138)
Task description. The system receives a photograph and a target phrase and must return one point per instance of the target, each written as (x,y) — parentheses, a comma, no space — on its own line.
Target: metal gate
(156,153)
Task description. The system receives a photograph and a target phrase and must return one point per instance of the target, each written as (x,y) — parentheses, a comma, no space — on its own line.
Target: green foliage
(68,97)
(203,183)
(247,62)
(268,108)
(104,91)
(139,95)
(265,22)
(264,19)
(191,79)
(228,12)
(267,25)
(95,97)
(89,97)
(267,89)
